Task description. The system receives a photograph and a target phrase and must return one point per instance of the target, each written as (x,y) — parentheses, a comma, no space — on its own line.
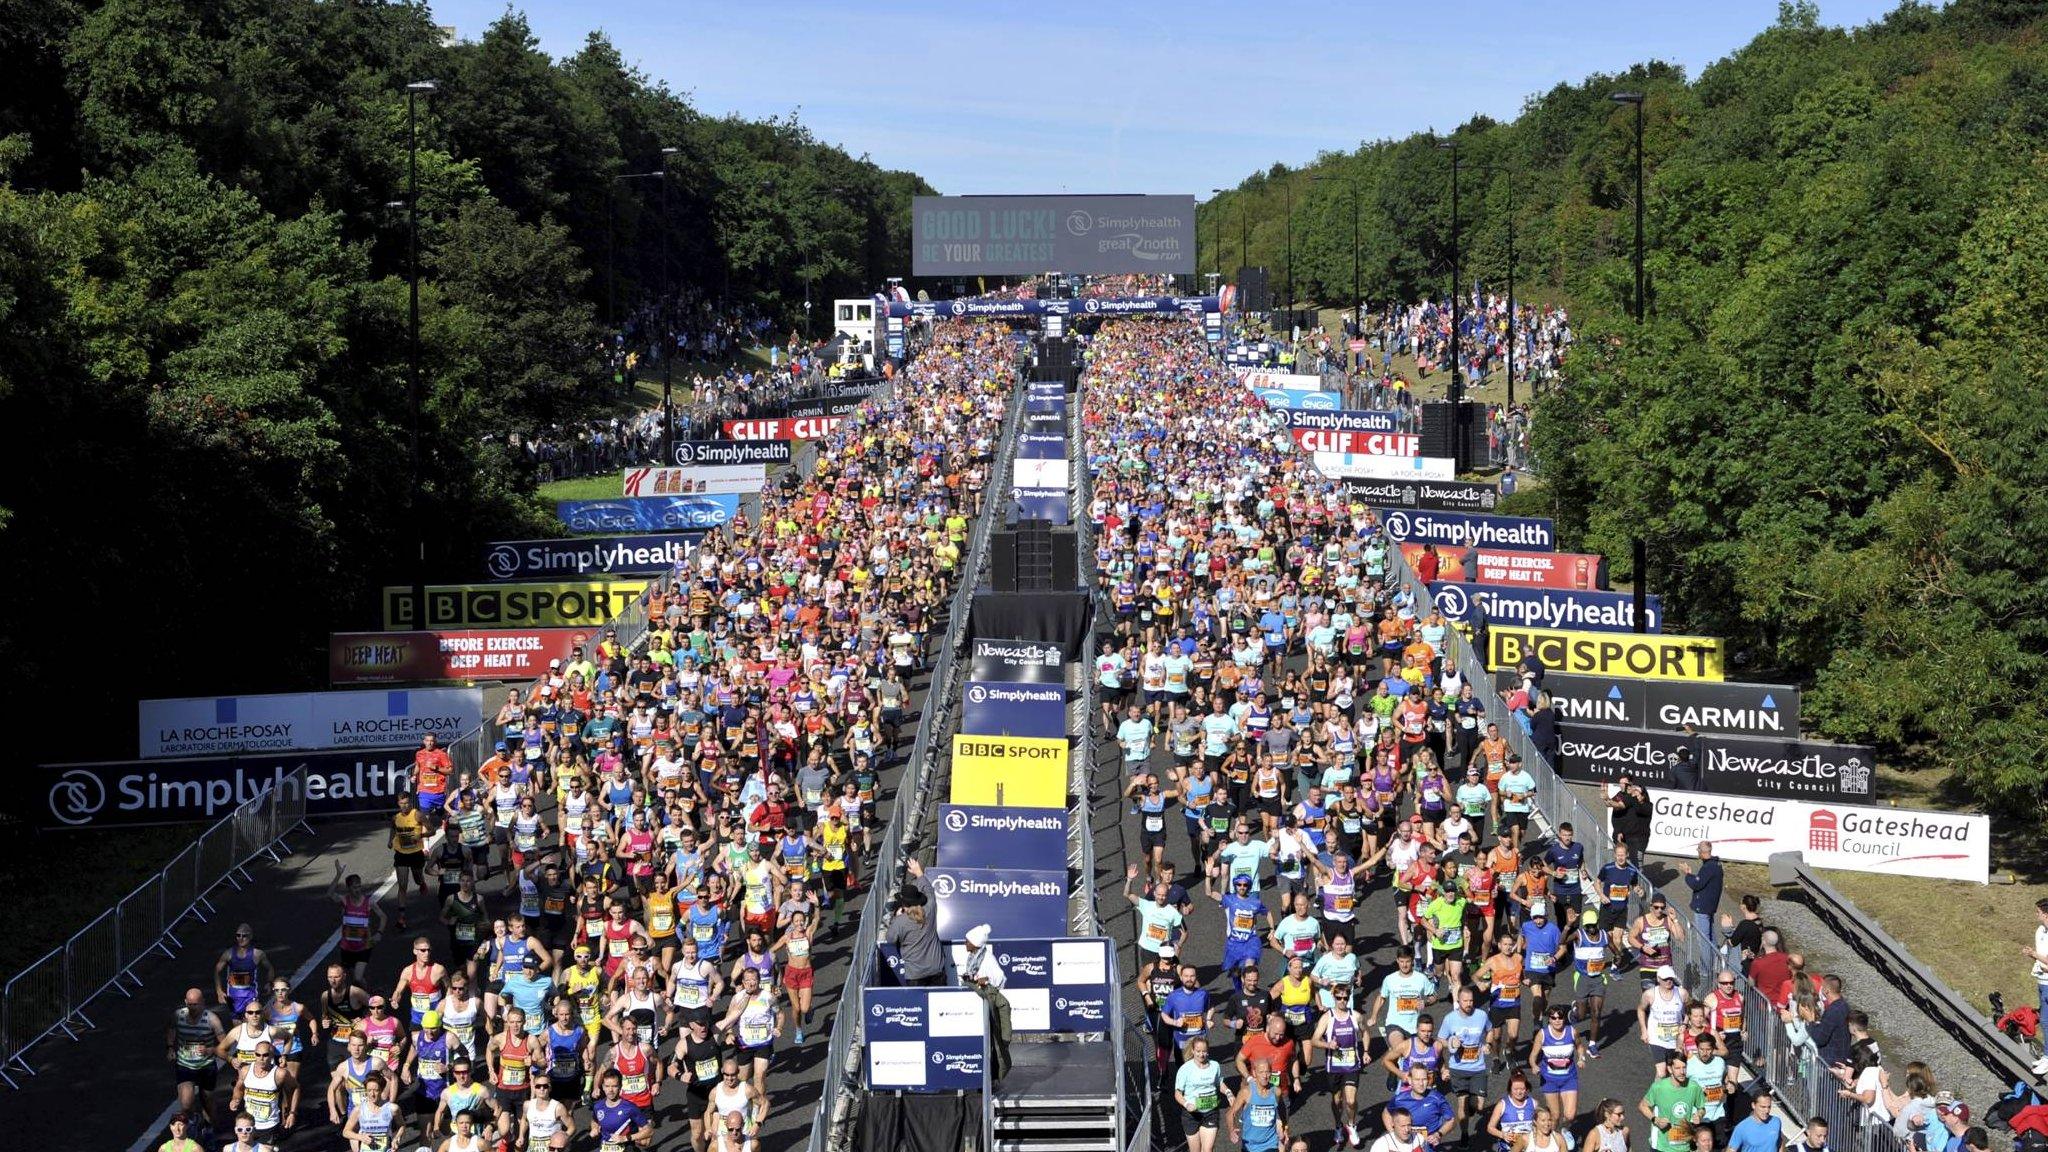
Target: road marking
(298,977)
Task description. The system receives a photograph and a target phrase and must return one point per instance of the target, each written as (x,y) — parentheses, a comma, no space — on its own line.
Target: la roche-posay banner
(304,721)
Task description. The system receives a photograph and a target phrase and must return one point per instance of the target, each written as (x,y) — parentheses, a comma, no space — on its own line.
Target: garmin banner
(1016,662)
(1723,709)
(136,793)
(1011,901)
(1041,446)
(925,1039)
(649,513)
(1544,608)
(375,718)
(588,556)
(1054,985)
(1428,495)
(1078,235)
(1528,569)
(999,709)
(1520,532)
(976,836)
(692,453)
(1798,769)
(1343,419)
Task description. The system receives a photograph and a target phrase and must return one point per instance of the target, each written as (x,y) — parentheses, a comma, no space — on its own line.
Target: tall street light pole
(1641,547)
(413,91)
(668,323)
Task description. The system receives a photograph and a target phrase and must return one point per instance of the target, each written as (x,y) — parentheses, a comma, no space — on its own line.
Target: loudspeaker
(1066,559)
(1002,560)
(1254,293)
(1456,431)
(1034,556)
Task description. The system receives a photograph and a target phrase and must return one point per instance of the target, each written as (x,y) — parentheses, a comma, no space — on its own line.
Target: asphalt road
(112,1088)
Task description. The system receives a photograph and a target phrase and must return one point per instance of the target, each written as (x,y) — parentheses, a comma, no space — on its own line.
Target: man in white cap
(979,971)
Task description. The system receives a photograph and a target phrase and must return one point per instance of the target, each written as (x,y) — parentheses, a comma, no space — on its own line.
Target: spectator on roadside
(912,933)
(1831,1030)
(2039,955)
(1706,890)
(1629,818)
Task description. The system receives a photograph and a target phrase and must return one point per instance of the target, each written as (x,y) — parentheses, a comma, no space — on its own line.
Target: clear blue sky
(1110,96)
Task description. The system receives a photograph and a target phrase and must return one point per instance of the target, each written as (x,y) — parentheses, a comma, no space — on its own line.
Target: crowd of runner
(1283,706)
(611,926)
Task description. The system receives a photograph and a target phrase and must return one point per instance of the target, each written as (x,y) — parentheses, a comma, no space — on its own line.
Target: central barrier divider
(916,804)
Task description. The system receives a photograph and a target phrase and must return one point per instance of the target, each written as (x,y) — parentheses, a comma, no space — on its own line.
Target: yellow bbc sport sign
(1642,656)
(1012,771)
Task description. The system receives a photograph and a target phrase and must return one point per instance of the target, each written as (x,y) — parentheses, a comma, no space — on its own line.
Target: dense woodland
(1831,428)
(203,308)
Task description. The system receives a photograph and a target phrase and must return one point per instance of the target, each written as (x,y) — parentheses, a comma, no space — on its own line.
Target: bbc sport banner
(1662,657)
(1887,841)
(1544,608)
(699,513)
(230,725)
(1010,771)
(1527,569)
(588,556)
(700,480)
(470,654)
(583,605)
(137,793)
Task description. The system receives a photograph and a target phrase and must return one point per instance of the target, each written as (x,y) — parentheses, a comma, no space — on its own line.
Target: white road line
(298,977)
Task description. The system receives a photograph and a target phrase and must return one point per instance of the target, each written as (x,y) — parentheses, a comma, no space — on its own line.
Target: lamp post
(1636,98)
(668,322)
(1641,548)
(1357,305)
(413,91)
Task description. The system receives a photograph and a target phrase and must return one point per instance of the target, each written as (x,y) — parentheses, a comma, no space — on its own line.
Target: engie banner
(1724,765)
(1000,709)
(982,837)
(1054,985)
(1666,657)
(924,1039)
(1350,466)
(1729,708)
(1543,608)
(1888,841)
(1016,662)
(787,428)
(421,657)
(230,725)
(588,556)
(134,793)
(694,481)
(1528,569)
(1022,902)
(697,453)
(499,605)
(1520,532)
(1010,771)
(1307,401)
(649,513)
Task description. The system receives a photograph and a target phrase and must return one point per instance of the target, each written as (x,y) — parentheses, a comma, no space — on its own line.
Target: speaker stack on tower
(1253,290)
(1456,431)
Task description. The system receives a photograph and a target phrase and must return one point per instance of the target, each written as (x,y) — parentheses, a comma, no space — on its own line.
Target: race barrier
(1563,570)
(1886,841)
(51,995)
(1669,657)
(1553,609)
(228,725)
(464,655)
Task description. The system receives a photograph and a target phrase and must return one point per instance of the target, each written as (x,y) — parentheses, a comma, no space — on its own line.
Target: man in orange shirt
(430,768)
(1276,1047)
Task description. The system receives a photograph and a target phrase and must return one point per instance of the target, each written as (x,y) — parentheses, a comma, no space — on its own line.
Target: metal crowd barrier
(1085,917)
(51,995)
(915,801)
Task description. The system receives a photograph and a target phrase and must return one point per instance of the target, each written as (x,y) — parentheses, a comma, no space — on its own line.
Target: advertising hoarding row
(1522,533)
(1427,495)
(428,657)
(1555,609)
(924,1039)
(1724,765)
(1503,566)
(782,428)
(304,721)
(726,453)
(588,556)
(565,605)
(1662,657)
(696,480)
(138,793)
(642,514)
(1025,235)
(1887,841)
(1729,708)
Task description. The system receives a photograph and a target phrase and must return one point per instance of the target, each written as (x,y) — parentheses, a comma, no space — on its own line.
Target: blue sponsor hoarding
(1043,504)
(1344,419)
(1038,388)
(133,793)
(1571,610)
(924,1039)
(588,556)
(649,513)
(996,709)
(972,836)
(1041,446)
(1517,533)
(1011,901)
(1054,985)
(1308,401)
